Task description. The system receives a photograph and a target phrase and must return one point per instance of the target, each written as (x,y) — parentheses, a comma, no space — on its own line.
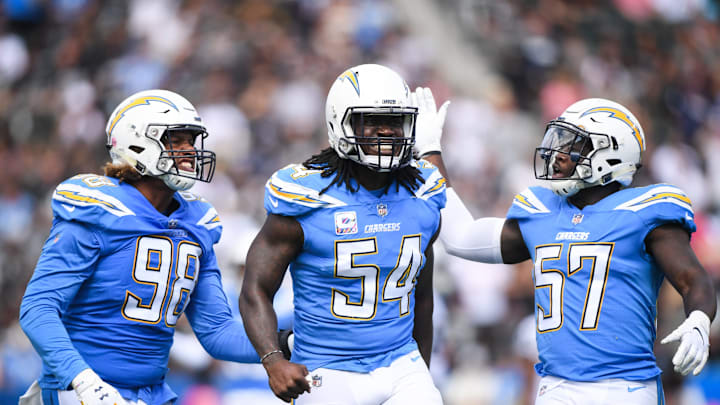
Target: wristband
(268,354)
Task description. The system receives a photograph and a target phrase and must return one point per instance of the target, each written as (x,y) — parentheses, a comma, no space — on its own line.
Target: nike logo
(633,389)
(416,358)
(69,208)
(688,217)
(273,202)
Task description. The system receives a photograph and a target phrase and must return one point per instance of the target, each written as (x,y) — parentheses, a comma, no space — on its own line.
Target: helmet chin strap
(386,163)
(172,180)
(570,187)
(177,183)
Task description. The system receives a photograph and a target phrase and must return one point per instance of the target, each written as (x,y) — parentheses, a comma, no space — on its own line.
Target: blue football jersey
(354,279)
(121,274)
(596,286)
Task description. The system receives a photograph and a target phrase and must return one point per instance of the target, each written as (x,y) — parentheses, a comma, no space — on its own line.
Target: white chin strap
(177,183)
(385,161)
(357,155)
(570,187)
(567,188)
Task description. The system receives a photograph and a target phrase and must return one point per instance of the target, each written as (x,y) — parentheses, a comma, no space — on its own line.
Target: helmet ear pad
(135,133)
(370,90)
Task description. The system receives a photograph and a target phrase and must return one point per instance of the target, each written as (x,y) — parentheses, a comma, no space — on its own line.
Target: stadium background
(258,72)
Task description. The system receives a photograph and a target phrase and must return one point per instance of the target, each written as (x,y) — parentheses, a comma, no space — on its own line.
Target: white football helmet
(360,95)
(135,134)
(602,138)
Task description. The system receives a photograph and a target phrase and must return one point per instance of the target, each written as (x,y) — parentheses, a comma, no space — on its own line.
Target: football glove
(430,121)
(693,335)
(92,390)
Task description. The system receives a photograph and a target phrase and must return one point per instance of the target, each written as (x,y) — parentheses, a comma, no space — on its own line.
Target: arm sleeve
(222,335)
(68,258)
(472,239)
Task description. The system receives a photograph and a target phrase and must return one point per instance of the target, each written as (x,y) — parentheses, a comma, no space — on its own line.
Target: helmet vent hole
(614,143)
(613,162)
(136,149)
(332,127)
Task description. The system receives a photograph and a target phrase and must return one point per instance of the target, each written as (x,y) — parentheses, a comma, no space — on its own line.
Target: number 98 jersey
(596,286)
(121,274)
(355,276)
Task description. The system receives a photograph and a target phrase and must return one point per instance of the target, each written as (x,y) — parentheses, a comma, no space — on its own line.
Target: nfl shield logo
(577,218)
(316,381)
(382,209)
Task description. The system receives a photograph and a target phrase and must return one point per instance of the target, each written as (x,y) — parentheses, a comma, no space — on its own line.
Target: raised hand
(430,121)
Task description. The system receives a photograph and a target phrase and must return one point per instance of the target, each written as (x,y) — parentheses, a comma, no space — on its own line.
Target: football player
(600,252)
(355,223)
(128,253)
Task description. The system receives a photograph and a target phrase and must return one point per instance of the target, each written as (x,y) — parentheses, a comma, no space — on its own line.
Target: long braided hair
(344,170)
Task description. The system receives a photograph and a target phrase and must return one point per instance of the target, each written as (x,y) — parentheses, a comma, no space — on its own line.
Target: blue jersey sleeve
(222,335)
(294,191)
(531,201)
(67,260)
(662,204)
(89,198)
(207,214)
(434,188)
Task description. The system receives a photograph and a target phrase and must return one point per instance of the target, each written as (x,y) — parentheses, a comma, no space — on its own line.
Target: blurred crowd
(258,71)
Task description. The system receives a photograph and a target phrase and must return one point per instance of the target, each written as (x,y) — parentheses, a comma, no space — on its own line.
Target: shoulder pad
(188,196)
(531,201)
(659,204)
(656,194)
(435,183)
(89,197)
(294,190)
(204,214)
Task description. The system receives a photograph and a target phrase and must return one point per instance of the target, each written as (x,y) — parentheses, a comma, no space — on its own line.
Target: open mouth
(384,149)
(186,165)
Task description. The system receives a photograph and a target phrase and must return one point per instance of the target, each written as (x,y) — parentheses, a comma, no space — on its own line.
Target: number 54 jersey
(354,279)
(596,286)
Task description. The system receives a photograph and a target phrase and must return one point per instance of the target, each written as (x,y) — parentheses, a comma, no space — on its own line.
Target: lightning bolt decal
(353,79)
(140,101)
(617,114)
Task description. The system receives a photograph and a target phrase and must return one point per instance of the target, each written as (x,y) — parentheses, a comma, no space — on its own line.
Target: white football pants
(406,381)
(557,391)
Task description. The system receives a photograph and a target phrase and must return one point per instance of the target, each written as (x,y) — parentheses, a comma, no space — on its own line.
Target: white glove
(694,343)
(92,390)
(430,121)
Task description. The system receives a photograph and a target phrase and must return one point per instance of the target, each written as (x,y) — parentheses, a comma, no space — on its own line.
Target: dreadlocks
(330,163)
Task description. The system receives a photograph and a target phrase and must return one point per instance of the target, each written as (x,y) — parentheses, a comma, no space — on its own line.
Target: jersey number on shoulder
(153,263)
(398,284)
(550,318)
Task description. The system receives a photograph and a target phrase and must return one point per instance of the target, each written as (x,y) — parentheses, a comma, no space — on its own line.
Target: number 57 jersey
(354,279)
(596,286)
